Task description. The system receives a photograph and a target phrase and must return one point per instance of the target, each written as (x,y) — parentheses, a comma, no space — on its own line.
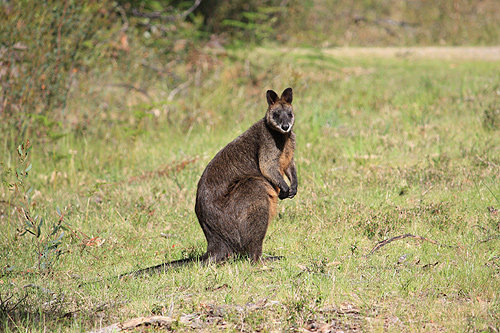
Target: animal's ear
(272,97)
(287,95)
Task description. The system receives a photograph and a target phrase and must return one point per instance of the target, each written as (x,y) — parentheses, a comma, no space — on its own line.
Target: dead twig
(158,15)
(487,231)
(7,203)
(165,172)
(487,162)
(156,321)
(42,289)
(390,240)
(190,10)
(124,18)
(7,306)
(129,87)
(488,239)
(178,89)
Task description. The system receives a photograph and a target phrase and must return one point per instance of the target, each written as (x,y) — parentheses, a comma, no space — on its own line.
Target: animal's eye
(289,114)
(276,116)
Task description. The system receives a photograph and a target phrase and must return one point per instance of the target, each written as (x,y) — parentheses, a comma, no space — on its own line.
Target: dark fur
(239,189)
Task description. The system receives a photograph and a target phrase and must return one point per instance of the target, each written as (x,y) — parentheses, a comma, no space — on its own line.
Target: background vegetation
(109,112)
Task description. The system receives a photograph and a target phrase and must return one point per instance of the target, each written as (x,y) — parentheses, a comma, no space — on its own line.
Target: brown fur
(239,189)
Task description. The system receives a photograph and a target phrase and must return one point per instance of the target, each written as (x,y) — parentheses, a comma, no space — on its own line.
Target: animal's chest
(286,156)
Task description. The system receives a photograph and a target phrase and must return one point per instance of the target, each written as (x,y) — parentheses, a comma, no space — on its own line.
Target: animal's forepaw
(284,194)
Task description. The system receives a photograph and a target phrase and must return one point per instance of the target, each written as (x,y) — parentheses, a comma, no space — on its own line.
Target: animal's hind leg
(257,221)
(219,231)
(260,206)
(217,250)
(240,225)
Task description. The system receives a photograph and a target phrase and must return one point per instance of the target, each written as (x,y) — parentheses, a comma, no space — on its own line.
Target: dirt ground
(487,53)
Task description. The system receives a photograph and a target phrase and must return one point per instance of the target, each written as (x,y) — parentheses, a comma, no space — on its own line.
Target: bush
(245,21)
(51,50)
(44,45)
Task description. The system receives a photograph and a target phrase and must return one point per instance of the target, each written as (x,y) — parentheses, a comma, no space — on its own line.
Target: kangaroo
(238,191)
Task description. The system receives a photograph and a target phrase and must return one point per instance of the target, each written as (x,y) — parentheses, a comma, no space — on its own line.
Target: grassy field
(386,147)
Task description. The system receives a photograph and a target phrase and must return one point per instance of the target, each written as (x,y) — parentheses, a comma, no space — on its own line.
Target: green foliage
(246,21)
(254,27)
(45,45)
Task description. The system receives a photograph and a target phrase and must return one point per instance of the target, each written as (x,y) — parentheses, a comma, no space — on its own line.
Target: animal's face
(280,117)
(280,112)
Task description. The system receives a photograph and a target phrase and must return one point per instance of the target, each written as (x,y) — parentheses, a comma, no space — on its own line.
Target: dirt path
(434,52)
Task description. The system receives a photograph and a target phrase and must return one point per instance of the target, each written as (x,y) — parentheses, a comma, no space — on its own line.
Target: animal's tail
(178,263)
(160,268)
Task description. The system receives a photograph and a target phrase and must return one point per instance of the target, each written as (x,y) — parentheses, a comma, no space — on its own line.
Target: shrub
(44,45)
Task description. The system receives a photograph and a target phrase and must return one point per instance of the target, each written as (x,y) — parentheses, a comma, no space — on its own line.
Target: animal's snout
(285,127)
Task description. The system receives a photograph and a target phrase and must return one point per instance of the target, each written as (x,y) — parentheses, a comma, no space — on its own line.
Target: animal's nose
(285,127)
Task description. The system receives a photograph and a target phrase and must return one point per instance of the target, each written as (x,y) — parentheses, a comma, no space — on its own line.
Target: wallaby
(237,193)
(239,189)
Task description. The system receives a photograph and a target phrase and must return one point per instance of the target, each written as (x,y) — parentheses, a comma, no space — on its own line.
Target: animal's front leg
(279,182)
(269,168)
(291,173)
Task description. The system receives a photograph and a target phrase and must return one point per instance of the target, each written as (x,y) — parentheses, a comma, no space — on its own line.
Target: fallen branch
(490,236)
(488,239)
(387,241)
(157,321)
(42,289)
(165,172)
(4,303)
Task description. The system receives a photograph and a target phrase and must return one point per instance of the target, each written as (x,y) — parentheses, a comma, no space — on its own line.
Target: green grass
(385,147)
